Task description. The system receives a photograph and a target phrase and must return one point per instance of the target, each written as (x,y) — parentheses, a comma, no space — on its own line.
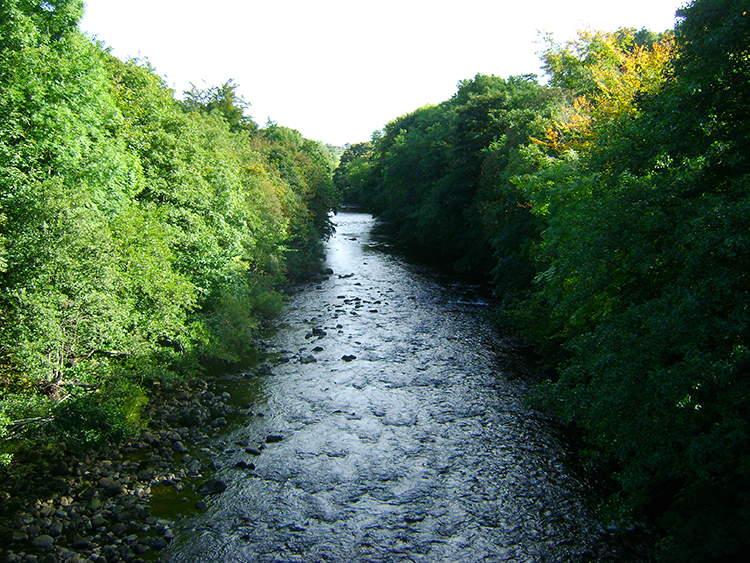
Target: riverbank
(121,503)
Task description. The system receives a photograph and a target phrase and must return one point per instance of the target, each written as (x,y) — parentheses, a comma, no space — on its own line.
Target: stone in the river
(349,357)
(161,543)
(319,332)
(43,542)
(140,549)
(110,486)
(272,438)
(80,543)
(212,487)
(179,447)
(55,529)
(242,464)
(252,451)
(309,359)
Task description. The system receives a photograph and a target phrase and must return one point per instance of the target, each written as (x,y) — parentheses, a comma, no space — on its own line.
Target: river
(403,433)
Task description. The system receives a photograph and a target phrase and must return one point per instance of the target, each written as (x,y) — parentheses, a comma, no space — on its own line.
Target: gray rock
(140,549)
(55,529)
(143,511)
(191,417)
(111,488)
(80,543)
(43,542)
(242,464)
(212,487)
(156,543)
(125,516)
(126,554)
(273,438)
(309,359)
(179,447)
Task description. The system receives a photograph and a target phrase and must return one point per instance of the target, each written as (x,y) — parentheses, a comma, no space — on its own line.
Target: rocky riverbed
(121,503)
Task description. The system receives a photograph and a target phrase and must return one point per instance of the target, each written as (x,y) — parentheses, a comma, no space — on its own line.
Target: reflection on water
(402,438)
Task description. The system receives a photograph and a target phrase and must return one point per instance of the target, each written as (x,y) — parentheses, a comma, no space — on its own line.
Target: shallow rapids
(404,436)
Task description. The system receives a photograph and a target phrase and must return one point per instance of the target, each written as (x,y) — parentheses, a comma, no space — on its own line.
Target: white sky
(337,70)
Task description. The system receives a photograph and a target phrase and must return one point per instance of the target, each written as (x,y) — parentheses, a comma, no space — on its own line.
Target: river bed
(400,433)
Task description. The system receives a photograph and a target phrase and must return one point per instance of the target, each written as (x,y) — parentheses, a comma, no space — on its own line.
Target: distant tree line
(141,235)
(610,209)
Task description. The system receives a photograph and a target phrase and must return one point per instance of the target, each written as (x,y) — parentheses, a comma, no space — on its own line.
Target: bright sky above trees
(337,70)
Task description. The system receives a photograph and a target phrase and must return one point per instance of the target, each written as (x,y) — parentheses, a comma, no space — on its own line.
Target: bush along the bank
(611,208)
(141,234)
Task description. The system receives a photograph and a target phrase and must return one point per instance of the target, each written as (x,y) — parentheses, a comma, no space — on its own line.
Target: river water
(405,440)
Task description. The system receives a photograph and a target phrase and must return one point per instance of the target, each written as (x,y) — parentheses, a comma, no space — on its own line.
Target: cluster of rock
(94,507)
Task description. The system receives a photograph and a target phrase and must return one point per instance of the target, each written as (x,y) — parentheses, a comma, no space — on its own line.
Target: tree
(644,262)
(139,237)
(350,176)
(307,167)
(224,100)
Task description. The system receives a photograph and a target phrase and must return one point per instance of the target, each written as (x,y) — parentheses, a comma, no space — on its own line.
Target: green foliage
(643,271)
(442,176)
(91,419)
(307,168)
(223,100)
(351,175)
(139,234)
(572,66)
